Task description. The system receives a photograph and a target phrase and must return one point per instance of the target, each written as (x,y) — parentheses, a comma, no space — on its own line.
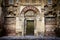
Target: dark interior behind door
(30,27)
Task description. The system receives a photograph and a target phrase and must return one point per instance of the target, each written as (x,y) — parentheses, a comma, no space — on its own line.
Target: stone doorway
(30,27)
(29,15)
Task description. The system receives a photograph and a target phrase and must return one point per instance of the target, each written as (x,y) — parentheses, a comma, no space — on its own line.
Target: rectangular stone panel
(10,25)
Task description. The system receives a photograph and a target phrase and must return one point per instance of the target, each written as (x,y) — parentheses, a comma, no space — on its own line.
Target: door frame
(25,24)
(28,26)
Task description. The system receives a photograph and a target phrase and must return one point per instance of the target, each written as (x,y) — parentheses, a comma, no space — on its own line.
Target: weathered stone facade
(18,12)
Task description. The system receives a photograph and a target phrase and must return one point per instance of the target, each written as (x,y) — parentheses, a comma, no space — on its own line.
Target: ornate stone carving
(29,8)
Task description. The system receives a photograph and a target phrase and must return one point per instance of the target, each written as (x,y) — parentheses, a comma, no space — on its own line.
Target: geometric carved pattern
(29,8)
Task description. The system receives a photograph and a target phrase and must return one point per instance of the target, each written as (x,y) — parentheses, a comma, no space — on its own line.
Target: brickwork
(10,24)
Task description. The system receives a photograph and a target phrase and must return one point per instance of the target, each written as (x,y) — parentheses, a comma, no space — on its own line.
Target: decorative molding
(29,8)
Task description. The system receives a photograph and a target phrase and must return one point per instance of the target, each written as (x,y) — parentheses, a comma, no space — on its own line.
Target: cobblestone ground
(28,38)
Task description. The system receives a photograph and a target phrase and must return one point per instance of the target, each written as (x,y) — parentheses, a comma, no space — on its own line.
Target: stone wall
(10,25)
